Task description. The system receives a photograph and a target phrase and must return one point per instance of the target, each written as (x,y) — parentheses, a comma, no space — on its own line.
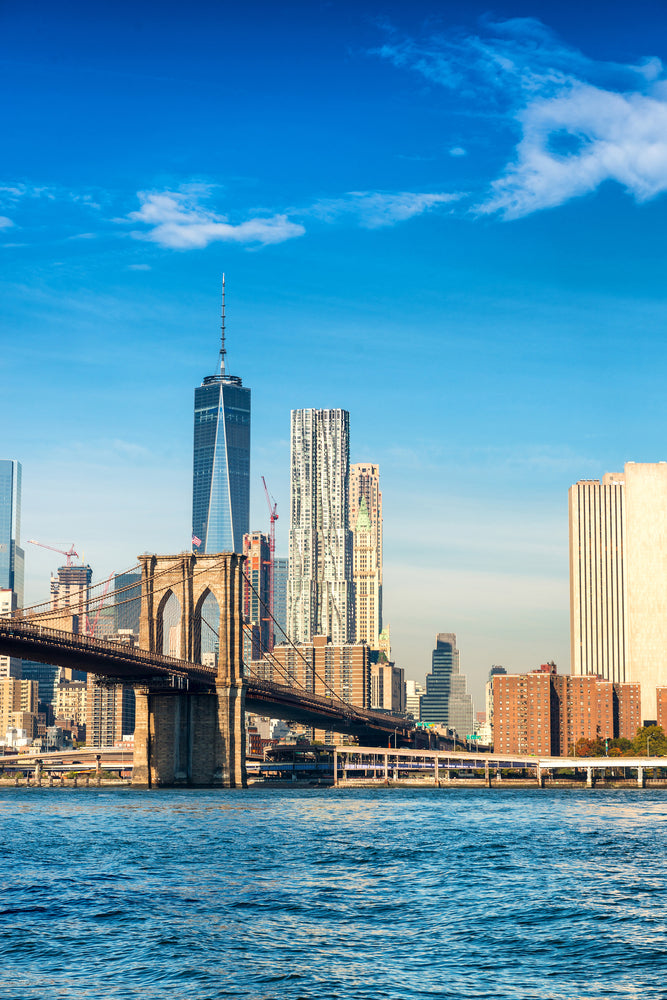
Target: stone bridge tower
(190,737)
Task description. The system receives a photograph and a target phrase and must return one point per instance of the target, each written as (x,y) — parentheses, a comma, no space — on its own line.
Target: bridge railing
(83,643)
(352,713)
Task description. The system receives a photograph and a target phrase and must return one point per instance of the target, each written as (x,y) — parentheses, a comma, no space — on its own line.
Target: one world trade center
(221,466)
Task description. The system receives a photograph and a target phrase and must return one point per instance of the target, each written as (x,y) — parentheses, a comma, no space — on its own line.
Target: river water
(363,894)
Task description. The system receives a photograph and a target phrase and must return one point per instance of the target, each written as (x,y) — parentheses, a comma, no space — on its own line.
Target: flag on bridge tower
(196,541)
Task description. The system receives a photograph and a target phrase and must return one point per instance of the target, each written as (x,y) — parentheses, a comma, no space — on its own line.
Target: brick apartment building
(324,667)
(544,713)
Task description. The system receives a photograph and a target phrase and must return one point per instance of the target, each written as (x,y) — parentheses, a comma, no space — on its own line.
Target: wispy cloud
(581,121)
(5,223)
(178,220)
(374,209)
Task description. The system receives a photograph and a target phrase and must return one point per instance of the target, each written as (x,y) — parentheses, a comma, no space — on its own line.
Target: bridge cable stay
(51,612)
(275,662)
(294,646)
(48,607)
(291,681)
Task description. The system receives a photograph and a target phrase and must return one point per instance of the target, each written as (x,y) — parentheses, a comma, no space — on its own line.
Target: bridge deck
(129,664)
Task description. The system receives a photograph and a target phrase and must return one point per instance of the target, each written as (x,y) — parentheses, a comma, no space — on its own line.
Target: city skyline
(446,253)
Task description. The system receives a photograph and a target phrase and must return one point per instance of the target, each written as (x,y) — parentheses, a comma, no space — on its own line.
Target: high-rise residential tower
(11,553)
(618,578)
(366,525)
(320,593)
(221,465)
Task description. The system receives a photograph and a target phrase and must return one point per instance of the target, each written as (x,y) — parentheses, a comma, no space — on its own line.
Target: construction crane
(273,517)
(69,555)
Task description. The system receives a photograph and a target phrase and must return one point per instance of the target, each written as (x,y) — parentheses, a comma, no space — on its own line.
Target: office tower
(413,696)
(598,629)
(280,569)
(366,524)
(366,578)
(446,701)
(11,554)
(256,636)
(10,666)
(618,578)
(47,676)
(388,688)
(221,462)
(320,595)
(127,602)
(646,558)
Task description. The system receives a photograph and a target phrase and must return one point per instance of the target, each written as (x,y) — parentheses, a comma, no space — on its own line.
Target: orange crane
(69,555)
(273,517)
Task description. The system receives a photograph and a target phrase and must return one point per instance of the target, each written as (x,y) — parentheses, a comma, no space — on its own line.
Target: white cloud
(458,151)
(620,137)
(138,267)
(175,219)
(374,209)
(581,121)
(5,223)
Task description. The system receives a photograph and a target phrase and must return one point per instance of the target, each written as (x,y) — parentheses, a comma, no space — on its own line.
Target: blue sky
(448,219)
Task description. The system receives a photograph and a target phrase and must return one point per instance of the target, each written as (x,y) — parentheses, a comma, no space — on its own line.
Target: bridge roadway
(122,663)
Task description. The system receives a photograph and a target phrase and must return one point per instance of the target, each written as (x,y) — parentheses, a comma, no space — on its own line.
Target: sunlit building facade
(320,592)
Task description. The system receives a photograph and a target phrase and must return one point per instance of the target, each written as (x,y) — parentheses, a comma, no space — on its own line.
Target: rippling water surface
(360,894)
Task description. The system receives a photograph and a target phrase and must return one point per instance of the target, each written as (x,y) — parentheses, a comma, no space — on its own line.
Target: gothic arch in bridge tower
(169,625)
(205,625)
(193,736)
(191,577)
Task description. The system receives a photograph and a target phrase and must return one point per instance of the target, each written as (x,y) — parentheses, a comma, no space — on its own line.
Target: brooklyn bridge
(190,716)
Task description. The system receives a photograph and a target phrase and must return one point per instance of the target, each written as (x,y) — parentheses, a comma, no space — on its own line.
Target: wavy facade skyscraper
(221,460)
(320,592)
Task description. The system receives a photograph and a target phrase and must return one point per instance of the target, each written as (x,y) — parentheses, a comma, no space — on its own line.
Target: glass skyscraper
(11,554)
(446,701)
(221,466)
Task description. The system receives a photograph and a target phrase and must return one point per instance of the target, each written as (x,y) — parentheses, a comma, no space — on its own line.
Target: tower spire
(222,330)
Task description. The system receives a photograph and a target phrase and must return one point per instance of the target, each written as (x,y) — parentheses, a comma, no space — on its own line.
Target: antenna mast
(222,330)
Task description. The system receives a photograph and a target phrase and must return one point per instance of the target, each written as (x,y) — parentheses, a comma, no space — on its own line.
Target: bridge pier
(640,777)
(191,737)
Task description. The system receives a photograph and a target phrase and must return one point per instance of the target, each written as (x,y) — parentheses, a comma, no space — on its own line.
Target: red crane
(273,517)
(69,555)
